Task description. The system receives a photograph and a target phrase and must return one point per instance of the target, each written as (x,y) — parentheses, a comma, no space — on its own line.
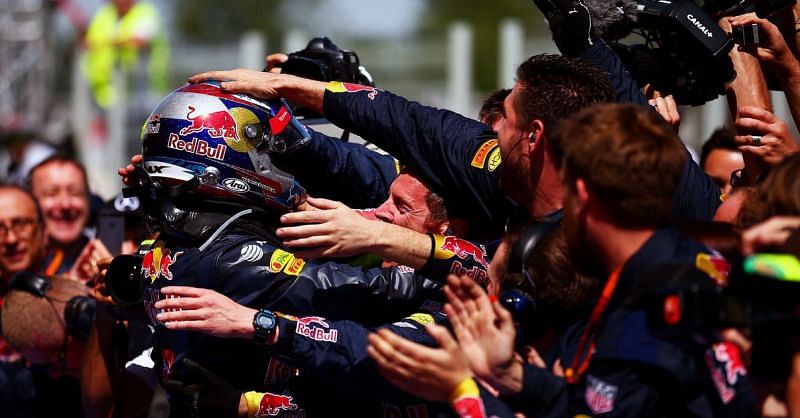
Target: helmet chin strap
(223,226)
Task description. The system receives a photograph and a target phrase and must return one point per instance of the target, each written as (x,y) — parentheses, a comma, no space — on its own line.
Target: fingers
(752,125)
(558,369)
(442,337)
(744,19)
(394,373)
(667,108)
(100,250)
(210,75)
(650,92)
(407,349)
(310,235)
(184,291)
(775,231)
(321,203)
(306,217)
(532,357)
(759,151)
(504,320)
(384,353)
(672,108)
(186,303)
(198,317)
(274,62)
(757,113)
(104,263)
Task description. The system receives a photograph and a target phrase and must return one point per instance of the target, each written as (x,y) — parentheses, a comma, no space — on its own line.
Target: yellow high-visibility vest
(109,40)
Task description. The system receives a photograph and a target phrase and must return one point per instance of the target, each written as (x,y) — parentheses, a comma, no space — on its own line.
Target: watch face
(265,320)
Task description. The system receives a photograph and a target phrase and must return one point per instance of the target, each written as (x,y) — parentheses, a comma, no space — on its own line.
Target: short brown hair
(492,107)
(629,156)
(552,87)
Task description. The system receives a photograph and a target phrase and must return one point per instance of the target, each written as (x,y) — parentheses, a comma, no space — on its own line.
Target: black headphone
(79,311)
(523,307)
(528,240)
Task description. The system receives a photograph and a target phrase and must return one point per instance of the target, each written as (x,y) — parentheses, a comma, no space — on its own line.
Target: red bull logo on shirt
(315,328)
(475,273)
(272,405)
(447,247)
(341,87)
(157,262)
(220,124)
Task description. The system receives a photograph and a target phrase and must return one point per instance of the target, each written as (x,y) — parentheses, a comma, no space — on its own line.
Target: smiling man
(60,186)
(21,232)
(21,249)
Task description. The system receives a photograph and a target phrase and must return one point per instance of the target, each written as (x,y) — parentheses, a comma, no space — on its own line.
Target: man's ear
(536,133)
(582,193)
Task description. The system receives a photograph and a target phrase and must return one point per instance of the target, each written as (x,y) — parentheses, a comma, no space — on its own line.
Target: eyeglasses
(22,227)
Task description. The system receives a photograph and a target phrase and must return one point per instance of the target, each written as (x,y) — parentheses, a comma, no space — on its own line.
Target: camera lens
(123,280)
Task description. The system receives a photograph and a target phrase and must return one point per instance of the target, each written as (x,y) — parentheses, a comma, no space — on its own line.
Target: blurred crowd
(560,255)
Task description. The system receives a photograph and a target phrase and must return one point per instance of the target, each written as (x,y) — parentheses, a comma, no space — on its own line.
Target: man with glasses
(21,232)
(21,249)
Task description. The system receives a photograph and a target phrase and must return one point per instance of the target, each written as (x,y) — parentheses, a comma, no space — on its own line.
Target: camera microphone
(612,19)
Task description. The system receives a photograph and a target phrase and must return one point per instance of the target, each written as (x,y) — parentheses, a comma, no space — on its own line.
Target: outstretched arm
(265,85)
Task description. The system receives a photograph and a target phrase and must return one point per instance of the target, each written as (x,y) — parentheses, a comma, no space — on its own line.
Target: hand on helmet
(242,80)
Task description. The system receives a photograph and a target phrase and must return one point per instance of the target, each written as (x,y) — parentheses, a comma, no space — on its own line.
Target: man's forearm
(402,245)
(303,91)
(790,81)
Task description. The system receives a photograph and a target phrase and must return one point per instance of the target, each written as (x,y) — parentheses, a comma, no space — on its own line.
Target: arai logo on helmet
(236,185)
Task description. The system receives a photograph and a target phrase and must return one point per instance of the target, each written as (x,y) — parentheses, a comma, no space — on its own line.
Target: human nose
(384,213)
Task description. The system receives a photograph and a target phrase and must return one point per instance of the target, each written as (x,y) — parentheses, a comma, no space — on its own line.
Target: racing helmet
(210,150)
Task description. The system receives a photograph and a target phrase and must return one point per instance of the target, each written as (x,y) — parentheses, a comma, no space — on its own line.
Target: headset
(79,312)
(523,306)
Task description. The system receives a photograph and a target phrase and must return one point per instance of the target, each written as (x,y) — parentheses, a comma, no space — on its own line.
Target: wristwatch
(264,323)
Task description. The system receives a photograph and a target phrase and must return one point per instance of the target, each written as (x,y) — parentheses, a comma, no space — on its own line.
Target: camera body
(685,52)
(746,35)
(322,60)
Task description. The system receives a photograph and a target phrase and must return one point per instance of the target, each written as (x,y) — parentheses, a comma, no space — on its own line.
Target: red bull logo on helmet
(219,124)
(315,328)
(447,247)
(272,404)
(157,262)
(197,146)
